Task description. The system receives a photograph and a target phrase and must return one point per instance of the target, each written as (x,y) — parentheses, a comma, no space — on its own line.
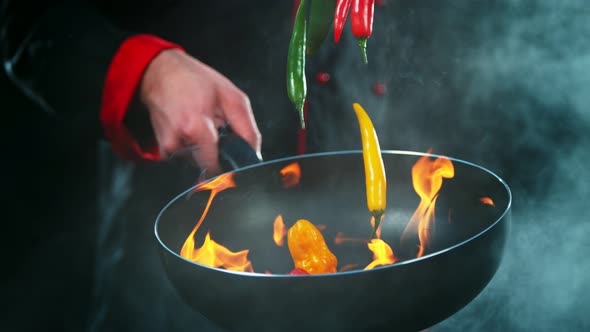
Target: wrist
(152,77)
(122,83)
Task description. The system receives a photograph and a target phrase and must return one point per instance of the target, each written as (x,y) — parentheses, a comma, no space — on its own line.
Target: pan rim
(345,273)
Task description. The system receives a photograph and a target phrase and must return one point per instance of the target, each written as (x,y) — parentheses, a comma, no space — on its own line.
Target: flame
(279,231)
(217,185)
(427,180)
(220,183)
(378,232)
(348,267)
(382,254)
(487,200)
(340,238)
(267,272)
(291,174)
(215,255)
(321,227)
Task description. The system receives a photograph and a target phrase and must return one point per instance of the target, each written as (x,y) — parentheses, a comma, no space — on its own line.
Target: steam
(505,84)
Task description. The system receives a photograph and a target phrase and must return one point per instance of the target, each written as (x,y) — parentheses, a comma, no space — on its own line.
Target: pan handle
(234,151)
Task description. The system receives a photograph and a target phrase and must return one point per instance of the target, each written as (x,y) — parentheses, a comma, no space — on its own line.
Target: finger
(169,147)
(207,159)
(219,121)
(238,113)
(168,142)
(205,137)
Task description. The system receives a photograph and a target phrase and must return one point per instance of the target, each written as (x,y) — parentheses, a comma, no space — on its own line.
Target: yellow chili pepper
(309,249)
(375,181)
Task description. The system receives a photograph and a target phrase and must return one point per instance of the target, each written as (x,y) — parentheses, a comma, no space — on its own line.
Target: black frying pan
(413,294)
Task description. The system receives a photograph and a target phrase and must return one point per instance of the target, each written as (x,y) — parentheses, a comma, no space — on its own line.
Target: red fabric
(122,79)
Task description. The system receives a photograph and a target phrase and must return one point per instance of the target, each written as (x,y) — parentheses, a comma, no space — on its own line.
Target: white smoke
(505,84)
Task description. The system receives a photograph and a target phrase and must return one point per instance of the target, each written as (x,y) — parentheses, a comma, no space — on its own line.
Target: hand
(189,101)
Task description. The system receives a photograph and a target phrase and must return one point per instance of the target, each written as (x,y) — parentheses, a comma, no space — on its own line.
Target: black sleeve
(60,57)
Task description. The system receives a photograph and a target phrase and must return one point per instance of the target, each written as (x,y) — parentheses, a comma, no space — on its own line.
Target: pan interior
(331,192)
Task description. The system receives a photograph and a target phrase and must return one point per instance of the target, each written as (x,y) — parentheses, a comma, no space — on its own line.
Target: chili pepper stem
(362,42)
(378,217)
(300,107)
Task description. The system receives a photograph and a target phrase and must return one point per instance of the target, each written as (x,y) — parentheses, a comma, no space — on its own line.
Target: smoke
(505,84)
(538,50)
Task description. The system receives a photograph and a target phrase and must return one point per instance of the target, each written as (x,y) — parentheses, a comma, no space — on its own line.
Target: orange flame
(382,254)
(340,238)
(427,180)
(348,267)
(215,255)
(217,185)
(279,231)
(378,232)
(291,174)
(487,200)
(321,227)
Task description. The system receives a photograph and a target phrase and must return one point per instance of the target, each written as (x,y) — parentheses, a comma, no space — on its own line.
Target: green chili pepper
(296,81)
(321,17)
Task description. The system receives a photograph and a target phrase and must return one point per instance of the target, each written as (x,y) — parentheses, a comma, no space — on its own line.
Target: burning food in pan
(308,247)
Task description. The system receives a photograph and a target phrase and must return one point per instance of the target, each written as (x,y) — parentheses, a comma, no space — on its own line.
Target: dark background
(504,84)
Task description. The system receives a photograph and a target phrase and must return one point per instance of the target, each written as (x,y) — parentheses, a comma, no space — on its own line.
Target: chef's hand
(189,101)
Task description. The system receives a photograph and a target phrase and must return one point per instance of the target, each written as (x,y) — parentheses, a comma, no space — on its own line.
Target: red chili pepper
(342,7)
(361,19)
(322,77)
(298,272)
(302,132)
(379,89)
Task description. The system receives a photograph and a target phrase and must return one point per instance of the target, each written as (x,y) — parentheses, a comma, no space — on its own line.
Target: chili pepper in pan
(342,8)
(321,16)
(361,20)
(298,272)
(309,249)
(375,181)
(296,81)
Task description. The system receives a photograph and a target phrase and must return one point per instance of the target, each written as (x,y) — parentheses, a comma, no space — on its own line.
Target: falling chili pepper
(296,81)
(302,132)
(321,16)
(361,19)
(379,89)
(342,8)
(375,181)
(322,77)
(309,249)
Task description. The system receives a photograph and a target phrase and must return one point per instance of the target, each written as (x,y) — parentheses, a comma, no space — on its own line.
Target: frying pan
(466,248)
